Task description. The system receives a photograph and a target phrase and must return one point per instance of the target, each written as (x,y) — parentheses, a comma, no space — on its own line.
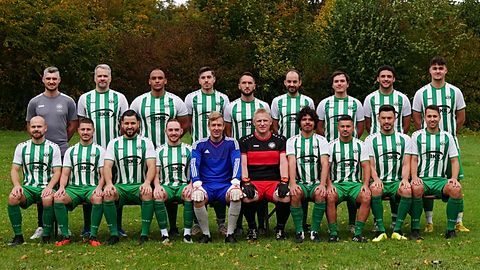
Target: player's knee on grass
(146,197)
(296,200)
(162,197)
(417,191)
(332,198)
(363,198)
(376,191)
(317,197)
(48,200)
(96,199)
(13,200)
(453,192)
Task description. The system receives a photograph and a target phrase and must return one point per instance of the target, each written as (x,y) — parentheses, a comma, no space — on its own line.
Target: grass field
(434,252)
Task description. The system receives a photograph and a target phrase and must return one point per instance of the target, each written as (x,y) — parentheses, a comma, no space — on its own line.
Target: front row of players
(260,166)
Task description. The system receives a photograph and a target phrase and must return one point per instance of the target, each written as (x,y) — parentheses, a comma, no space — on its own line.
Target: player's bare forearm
(71,128)
(366,172)
(15,175)
(151,171)
(107,172)
(455,167)
(417,120)
(57,172)
(325,170)
(414,166)
(292,169)
(406,123)
(460,115)
(406,167)
(368,124)
(65,175)
(284,164)
(360,129)
(321,127)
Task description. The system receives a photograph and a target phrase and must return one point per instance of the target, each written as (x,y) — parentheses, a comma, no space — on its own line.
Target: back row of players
(105,106)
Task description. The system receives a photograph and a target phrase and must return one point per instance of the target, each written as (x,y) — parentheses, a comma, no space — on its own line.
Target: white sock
(233,212)
(429,217)
(202,216)
(460,217)
(187,231)
(164,232)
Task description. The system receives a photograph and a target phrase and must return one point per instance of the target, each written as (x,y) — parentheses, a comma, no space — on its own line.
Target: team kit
(244,154)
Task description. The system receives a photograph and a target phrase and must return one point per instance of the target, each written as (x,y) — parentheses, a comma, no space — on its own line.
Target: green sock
(377,211)
(417,210)
(110,211)
(160,214)
(187,214)
(352,211)
(454,206)
(403,208)
(147,215)
(428,204)
(359,227)
(48,216)
(62,218)
(333,228)
(97,213)
(297,216)
(15,216)
(317,215)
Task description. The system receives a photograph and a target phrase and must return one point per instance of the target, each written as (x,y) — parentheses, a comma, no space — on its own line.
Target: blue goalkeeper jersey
(214,163)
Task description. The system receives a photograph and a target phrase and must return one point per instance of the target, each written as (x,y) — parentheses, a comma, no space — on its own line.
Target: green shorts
(33,195)
(348,191)
(174,193)
(79,195)
(308,190)
(128,194)
(461,174)
(390,189)
(434,186)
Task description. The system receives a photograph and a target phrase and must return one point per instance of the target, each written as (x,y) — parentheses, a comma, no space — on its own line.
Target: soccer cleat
(299,236)
(187,239)
(428,227)
(415,235)
(306,228)
(333,239)
(450,234)
(280,234)
(112,240)
(222,229)
(374,229)
(314,236)
(46,239)
(37,234)
(173,232)
(262,231)
(230,239)
(143,239)
(380,237)
(94,242)
(122,233)
(196,229)
(351,228)
(63,242)
(359,238)
(398,236)
(460,228)
(252,234)
(165,239)
(205,239)
(17,240)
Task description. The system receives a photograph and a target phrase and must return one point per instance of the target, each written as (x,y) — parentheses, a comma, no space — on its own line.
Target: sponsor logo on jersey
(207,152)
(256,145)
(437,155)
(103,113)
(308,159)
(347,163)
(132,160)
(85,167)
(158,117)
(271,145)
(175,167)
(390,156)
(444,109)
(38,166)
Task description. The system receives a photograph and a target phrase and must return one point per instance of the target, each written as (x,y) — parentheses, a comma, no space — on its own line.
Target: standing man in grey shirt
(60,114)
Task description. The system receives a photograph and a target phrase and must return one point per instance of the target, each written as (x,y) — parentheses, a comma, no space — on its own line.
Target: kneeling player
(390,167)
(215,170)
(308,168)
(171,183)
(264,163)
(82,171)
(349,162)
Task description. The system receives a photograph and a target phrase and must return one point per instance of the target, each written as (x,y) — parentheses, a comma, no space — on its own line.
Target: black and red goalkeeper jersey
(263,156)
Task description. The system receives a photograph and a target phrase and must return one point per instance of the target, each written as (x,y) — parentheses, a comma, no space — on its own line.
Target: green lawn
(459,253)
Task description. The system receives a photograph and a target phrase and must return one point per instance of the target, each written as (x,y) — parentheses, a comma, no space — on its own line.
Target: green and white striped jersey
(449,100)
(285,109)
(376,99)
(345,160)
(434,151)
(331,108)
(240,114)
(307,152)
(174,164)
(105,109)
(155,112)
(199,106)
(37,161)
(130,158)
(85,163)
(389,152)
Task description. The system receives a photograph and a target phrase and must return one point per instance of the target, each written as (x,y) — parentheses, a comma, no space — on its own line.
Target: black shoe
(17,240)
(252,234)
(314,236)
(415,235)
(187,239)
(112,240)
(359,239)
(262,231)
(238,232)
(174,232)
(333,239)
(230,239)
(46,239)
(280,234)
(306,228)
(450,234)
(299,236)
(205,239)
(143,239)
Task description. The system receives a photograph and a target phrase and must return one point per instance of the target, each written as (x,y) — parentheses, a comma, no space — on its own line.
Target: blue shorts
(217,191)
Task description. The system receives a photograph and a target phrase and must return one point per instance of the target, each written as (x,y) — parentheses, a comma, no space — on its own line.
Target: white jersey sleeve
(460,101)
(368,146)
(367,108)
(274,108)
(291,146)
(136,104)
(110,152)
(364,154)
(321,110)
(413,143)
(81,106)
(57,156)
(180,106)
(417,101)
(66,158)
(311,104)
(324,146)
(452,148)
(359,114)
(189,103)
(101,161)
(17,157)
(122,106)
(150,153)
(227,116)
(407,107)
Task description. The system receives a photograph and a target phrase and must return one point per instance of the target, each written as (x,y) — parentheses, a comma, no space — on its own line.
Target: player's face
(246,85)
(438,72)
(174,131)
(38,127)
(130,126)
(262,123)
(340,84)
(51,81)
(386,79)
(102,79)
(386,120)
(206,80)
(307,124)
(345,128)
(86,131)
(216,128)
(432,118)
(292,82)
(157,80)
